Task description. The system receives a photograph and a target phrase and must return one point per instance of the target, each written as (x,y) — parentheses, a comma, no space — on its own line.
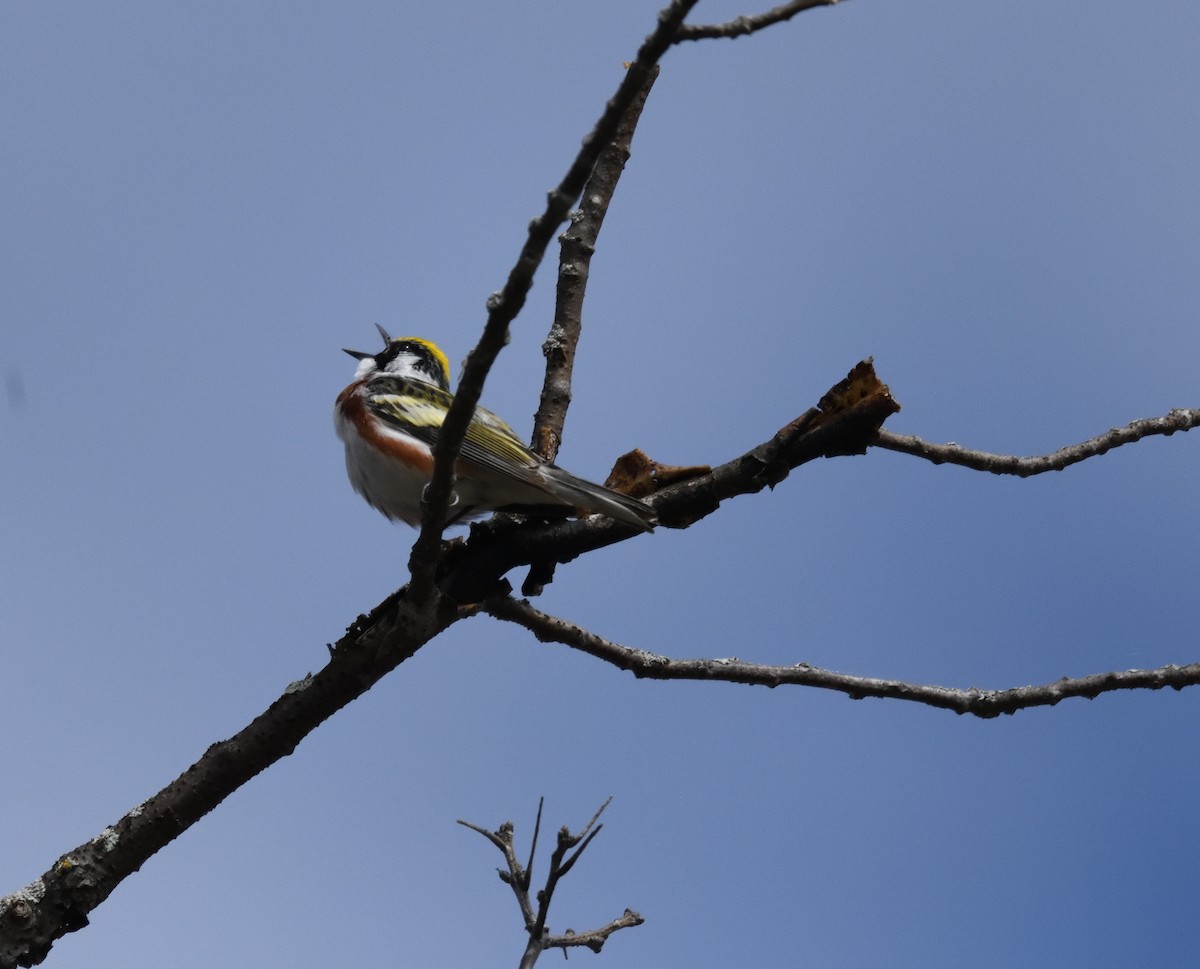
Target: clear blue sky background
(202,204)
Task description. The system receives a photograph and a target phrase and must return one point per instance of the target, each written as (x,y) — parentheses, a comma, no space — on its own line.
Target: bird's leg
(453,503)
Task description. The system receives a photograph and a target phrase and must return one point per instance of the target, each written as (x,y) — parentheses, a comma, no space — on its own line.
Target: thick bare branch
(61,900)
(1025,467)
(749,23)
(985,704)
(504,306)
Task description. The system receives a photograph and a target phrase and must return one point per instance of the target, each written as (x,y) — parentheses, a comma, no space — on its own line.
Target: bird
(389,418)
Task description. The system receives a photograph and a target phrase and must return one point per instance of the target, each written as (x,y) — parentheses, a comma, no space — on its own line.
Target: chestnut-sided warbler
(389,419)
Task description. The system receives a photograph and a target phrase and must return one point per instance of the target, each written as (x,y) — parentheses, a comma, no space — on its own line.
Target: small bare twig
(578,244)
(984,704)
(749,23)
(517,878)
(1180,419)
(537,830)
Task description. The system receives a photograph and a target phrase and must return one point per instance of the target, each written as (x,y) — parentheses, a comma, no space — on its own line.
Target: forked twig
(567,851)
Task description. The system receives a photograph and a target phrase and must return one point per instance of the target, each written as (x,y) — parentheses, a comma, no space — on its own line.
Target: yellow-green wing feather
(419,409)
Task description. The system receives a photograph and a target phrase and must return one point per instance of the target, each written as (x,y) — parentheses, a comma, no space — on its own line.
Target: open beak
(362,354)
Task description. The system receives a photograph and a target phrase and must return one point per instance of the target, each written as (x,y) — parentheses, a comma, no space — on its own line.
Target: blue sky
(202,205)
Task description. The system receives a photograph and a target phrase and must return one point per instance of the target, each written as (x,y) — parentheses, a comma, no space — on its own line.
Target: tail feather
(595,498)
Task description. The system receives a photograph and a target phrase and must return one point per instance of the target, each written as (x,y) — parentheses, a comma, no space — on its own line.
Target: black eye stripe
(397,347)
(419,357)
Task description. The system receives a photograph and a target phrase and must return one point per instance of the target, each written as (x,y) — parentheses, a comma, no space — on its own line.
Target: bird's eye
(386,355)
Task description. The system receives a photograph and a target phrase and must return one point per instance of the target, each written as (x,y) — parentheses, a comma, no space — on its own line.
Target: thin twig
(569,863)
(537,830)
(748,24)
(984,704)
(590,830)
(1179,419)
(577,245)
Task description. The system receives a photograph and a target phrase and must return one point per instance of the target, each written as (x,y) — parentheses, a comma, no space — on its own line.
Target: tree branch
(578,244)
(593,939)
(1024,467)
(984,704)
(748,24)
(61,900)
(517,878)
(843,422)
(504,306)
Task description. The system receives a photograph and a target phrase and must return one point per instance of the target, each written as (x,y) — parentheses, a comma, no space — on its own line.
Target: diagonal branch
(578,244)
(579,241)
(1179,419)
(61,900)
(504,306)
(984,704)
(749,23)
